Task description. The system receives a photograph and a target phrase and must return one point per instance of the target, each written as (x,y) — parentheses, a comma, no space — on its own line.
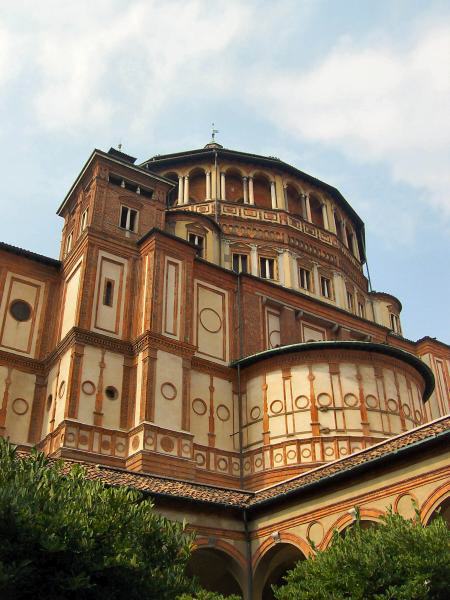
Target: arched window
(261,191)
(108,292)
(234,189)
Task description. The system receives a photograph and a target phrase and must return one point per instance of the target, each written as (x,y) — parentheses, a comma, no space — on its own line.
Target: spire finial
(213,133)
(119,146)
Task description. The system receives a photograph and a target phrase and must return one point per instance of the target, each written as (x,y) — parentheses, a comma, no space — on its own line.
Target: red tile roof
(185,490)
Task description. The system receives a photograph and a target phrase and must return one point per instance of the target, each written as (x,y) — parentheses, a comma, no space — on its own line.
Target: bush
(399,559)
(65,537)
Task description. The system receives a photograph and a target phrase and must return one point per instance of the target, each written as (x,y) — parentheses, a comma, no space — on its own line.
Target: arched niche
(172,196)
(234,188)
(197,185)
(316,211)
(216,570)
(261,191)
(273,566)
(294,201)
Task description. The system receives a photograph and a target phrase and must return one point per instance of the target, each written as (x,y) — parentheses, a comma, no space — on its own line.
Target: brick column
(74,382)
(37,410)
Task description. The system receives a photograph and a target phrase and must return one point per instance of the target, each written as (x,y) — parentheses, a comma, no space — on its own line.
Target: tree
(398,559)
(65,537)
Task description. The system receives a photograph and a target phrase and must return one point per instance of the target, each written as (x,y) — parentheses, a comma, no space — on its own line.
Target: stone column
(355,247)
(308,208)
(186,189)
(273,194)
(250,191)
(325,216)
(245,187)
(335,222)
(344,233)
(208,185)
(222,186)
(254,260)
(180,190)
(303,203)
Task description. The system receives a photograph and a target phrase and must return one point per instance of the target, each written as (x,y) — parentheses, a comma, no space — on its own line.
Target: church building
(208,336)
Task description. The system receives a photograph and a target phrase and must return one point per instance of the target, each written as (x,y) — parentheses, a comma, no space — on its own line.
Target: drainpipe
(248,544)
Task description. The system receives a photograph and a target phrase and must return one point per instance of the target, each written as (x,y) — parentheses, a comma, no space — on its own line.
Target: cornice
(22,363)
(367,347)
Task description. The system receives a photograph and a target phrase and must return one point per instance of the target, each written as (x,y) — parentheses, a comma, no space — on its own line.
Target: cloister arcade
(221,568)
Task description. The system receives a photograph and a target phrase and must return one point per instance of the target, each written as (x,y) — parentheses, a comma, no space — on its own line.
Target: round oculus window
(20,310)
(111,392)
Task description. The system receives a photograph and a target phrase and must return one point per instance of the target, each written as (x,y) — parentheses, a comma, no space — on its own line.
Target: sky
(354,92)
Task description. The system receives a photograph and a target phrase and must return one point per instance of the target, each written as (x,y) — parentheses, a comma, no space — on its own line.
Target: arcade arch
(443,510)
(369,517)
(216,570)
(437,503)
(261,191)
(234,188)
(316,211)
(197,185)
(294,201)
(273,566)
(173,195)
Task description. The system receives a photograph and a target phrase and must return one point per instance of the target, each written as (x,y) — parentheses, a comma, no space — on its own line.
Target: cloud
(92,63)
(376,104)
(9,46)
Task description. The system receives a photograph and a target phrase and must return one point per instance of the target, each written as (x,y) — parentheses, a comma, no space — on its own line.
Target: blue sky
(355,92)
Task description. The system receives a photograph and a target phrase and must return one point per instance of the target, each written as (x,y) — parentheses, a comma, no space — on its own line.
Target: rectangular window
(108,292)
(240,263)
(395,323)
(267,267)
(83,221)
(69,243)
(304,277)
(361,311)
(350,302)
(128,218)
(198,241)
(325,287)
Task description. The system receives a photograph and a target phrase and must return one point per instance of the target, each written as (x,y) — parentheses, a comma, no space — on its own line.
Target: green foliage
(398,560)
(204,595)
(65,537)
